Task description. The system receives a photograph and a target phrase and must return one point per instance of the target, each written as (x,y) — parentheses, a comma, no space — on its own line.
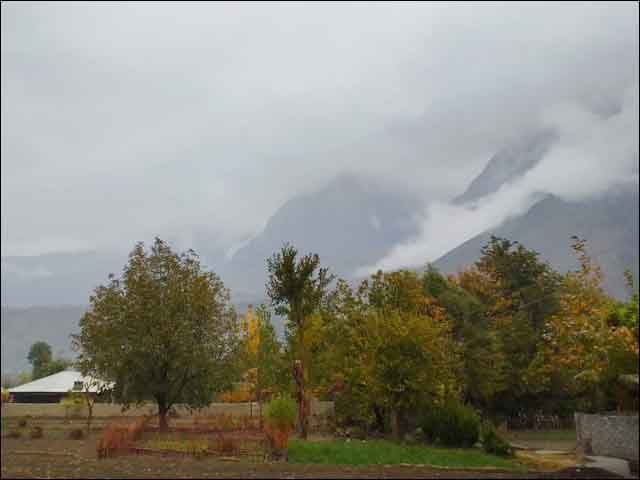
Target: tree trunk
(89,413)
(298,375)
(395,424)
(163,409)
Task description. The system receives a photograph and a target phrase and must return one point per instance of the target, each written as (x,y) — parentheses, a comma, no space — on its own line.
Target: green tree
(165,331)
(296,288)
(481,349)
(391,345)
(271,370)
(39,357)
(519,291)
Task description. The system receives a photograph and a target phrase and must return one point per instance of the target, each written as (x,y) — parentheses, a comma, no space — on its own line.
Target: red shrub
(117,437)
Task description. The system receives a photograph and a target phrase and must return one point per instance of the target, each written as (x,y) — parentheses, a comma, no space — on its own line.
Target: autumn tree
(296,288)
(392,347)
(581,346)
(164,331)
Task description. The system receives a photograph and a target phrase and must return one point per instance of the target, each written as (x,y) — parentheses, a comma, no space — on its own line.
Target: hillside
(609,224)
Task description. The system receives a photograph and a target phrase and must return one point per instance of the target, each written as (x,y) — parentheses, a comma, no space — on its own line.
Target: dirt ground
(56,456)
(43,458)
(562,440)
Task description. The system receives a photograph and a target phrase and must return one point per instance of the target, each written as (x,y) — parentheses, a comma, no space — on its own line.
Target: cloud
(122,121)
(592,154)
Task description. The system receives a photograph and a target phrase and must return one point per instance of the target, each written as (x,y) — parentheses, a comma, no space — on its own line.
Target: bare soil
(62,458)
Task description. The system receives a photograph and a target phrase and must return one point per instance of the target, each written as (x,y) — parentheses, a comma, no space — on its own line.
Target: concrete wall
(608,435)
(115,410)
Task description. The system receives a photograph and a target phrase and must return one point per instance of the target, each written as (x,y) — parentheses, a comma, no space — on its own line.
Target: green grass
(381,452)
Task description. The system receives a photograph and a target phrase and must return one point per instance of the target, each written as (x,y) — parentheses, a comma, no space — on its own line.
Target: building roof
(60,382)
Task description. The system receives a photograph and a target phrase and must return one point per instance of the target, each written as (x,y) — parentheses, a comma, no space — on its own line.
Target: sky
(122,121)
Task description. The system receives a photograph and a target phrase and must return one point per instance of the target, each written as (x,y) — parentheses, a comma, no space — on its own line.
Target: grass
(381,452)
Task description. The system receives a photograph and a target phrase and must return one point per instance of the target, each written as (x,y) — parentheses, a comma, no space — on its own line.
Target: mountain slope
(348,223)
(508,164)
(609,223)
(21,327)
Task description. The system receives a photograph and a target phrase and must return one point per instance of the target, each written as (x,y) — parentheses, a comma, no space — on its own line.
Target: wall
(608,435)
(115,410)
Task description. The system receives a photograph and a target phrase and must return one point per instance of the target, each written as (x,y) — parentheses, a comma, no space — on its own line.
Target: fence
(115,410)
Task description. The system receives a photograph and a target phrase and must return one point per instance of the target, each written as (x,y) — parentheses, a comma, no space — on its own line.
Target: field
(55,455)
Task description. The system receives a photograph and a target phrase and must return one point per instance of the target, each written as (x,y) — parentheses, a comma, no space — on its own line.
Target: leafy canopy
(165,330)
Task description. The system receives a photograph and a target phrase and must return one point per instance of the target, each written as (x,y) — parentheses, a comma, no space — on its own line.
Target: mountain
(608,222)
(21,327)
(348,223)
(508,165)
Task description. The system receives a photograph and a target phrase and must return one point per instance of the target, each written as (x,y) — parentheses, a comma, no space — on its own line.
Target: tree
(518,291)
(481,349)
(269,360)
(166,330)
(389,347)
(296,289)
(39,357)
(581,345)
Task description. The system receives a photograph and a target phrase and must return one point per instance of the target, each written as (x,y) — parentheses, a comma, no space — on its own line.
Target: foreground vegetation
(381,452)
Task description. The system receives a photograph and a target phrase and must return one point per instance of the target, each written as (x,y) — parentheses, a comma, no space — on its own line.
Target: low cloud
(593,153)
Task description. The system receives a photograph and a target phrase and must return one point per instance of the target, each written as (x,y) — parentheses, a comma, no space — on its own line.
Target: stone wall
(608,435)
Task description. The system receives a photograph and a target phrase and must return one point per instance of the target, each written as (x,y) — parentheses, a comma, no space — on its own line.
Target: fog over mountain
(378,135)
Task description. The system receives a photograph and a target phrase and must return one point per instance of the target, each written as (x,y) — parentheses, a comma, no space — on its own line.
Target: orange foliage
(236,396)
(278,438)
(118,436)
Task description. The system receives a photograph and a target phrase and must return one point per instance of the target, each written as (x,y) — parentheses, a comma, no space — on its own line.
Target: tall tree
(480,344)
(39,356)
(585,345)
(519,291)
(165,331)
(296,288)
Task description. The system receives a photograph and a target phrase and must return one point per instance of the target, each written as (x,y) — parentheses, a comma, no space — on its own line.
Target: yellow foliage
(251,327)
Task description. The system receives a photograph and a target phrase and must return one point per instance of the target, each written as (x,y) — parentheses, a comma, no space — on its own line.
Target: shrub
(76,434)
(36,432)
(6,397)
(14,434)
(22,423)
(493,443)
(73,404)
(452,424)
(280,413)
(115,437)
(225,445)
(280,417)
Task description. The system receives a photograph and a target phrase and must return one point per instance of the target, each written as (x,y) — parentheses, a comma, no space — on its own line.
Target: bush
(14,434)
(225,445)
(22,423)
(76,434)
(36,432)
(280,413)
(280,418)
(493,443)
(73,404)
(452,424)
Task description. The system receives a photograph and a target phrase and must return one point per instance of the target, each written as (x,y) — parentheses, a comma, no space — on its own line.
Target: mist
(125,121)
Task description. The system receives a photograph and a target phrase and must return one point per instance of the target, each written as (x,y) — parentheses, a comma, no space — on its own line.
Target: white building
(53,388)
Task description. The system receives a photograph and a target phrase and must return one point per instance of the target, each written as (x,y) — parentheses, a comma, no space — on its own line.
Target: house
(53,388)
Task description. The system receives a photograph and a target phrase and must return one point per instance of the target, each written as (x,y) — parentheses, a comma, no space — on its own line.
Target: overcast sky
(125,121)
